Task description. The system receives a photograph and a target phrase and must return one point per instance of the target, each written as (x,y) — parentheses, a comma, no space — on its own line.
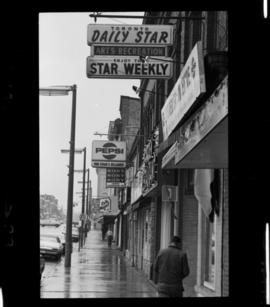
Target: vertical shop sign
(188,88)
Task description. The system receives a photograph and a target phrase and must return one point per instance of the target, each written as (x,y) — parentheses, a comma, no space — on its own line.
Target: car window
(50,238)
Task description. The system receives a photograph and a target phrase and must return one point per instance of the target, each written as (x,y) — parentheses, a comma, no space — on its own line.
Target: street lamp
(62,91)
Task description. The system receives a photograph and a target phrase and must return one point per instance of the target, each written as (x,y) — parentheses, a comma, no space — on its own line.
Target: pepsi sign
(108,154)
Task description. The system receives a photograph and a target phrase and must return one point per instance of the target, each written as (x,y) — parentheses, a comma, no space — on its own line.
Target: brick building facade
(190,159)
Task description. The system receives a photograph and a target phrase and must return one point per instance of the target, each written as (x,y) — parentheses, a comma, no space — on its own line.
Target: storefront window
(210,254)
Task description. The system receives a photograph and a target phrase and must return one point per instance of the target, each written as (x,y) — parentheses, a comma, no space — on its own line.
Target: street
(97,271)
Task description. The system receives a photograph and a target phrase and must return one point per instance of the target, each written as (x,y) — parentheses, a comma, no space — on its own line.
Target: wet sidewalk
(96,271)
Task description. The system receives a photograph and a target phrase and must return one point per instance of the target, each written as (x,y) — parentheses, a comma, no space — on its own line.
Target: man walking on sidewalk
(171,265)
(109,237)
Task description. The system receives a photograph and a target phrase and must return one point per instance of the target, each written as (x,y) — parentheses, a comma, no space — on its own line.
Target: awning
(203,140)
(150,192)
(136,204)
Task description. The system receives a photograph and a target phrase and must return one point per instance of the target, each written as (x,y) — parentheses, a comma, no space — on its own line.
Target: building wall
(153,235)
(188,230)
(130,110)
(190,218)
(225,239)
(146,240)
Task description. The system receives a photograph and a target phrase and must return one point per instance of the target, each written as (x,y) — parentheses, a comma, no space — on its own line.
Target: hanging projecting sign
(130,50)
(189,86)
(108,154)
(130,34)
(115,177)
(128,68)
(105,205)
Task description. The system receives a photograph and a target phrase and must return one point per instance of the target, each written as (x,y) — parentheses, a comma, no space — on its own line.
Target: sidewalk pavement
(97,271)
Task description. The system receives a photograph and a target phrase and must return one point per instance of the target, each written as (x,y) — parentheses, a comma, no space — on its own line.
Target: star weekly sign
(129,67)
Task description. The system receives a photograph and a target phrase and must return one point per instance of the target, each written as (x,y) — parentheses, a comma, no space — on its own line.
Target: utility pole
(83,198)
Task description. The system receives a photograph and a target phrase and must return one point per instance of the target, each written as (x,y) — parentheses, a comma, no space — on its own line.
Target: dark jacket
(171,265)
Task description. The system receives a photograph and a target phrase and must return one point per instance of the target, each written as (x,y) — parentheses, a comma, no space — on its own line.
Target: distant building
(48,206)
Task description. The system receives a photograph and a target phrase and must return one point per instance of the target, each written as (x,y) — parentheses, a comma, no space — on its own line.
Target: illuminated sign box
(128,68)
(130,34)
(108,154)
(128,50)
(188,88)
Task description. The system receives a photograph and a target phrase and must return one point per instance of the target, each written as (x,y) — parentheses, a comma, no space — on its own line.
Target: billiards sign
(108,154)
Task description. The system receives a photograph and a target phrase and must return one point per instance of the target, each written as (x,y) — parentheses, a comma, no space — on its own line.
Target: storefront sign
(203,121)
(115,177)
(111,67)
(127,50)
(130,34)
(108,154)
(105,204)
(169,155)
(189,87)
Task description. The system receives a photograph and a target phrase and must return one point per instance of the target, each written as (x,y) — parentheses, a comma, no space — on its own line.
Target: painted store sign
(127,68)
(203,121)
(130,34)
(189,87)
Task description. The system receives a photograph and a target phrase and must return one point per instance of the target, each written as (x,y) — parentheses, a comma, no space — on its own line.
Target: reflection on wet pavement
(96,272)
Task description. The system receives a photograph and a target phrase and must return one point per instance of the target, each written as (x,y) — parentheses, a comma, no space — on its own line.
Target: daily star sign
(123,67)
(108,154)
(130,34)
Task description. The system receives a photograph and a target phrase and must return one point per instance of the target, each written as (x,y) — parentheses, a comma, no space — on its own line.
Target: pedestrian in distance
(171,267)
(109,237)
(103,231)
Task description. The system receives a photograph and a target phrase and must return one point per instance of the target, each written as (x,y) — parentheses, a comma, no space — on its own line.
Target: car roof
(51,235)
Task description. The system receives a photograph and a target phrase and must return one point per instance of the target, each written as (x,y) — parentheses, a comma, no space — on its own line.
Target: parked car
(42,265)
(75,233)
(51,246)
(63,241)
(54,231)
